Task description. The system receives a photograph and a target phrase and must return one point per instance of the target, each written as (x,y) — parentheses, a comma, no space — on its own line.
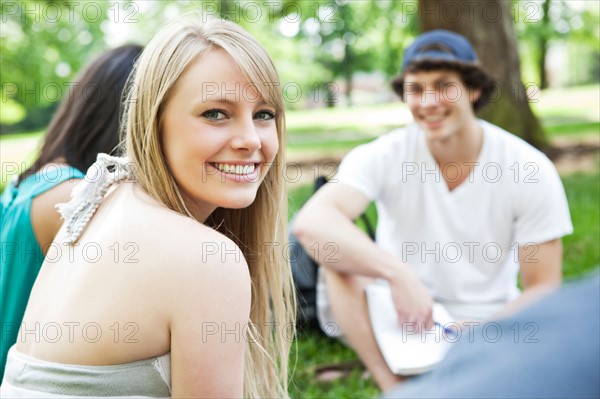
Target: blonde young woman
(165,279)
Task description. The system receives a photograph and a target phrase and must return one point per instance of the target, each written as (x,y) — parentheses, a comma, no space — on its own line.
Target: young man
(463,206)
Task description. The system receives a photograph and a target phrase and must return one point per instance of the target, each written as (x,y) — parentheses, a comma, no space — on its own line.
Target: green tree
(565,25)
(43,44)
(543,40)
(351,36)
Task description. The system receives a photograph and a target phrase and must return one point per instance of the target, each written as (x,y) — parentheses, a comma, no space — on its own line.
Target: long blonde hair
(260,229)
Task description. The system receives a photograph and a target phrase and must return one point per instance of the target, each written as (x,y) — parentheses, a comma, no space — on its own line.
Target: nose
(246,136)
(430,98)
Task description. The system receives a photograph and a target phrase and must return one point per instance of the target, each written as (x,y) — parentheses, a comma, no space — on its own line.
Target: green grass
(581,249)
(562,112)
(573,129)
(328,144)
(355,120)
(568,106)
(314,349)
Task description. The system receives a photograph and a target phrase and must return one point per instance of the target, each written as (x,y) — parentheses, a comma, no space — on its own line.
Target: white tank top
(28,377)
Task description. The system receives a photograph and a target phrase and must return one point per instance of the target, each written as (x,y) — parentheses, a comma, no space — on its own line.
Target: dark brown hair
(472,76)
(87,121)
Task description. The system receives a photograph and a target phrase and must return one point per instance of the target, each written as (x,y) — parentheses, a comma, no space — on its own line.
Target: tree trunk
(488,26)
(543,44)
(348,74)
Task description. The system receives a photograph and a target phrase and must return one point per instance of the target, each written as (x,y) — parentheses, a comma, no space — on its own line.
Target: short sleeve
(364,168)
(542,212)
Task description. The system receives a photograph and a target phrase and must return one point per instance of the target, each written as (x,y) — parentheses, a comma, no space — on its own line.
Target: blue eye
(264,115)
(214,114)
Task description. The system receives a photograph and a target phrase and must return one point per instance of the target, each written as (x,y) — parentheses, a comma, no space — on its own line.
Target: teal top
(20,254)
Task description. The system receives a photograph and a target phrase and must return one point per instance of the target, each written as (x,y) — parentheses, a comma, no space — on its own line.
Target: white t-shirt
(461,243)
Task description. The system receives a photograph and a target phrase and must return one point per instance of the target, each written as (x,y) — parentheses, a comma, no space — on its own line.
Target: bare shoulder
(45,219)
(188,252)
(207,302)
(58,194)
(208,308)
(208,261)
(168,248)
(196,245)
(185,238)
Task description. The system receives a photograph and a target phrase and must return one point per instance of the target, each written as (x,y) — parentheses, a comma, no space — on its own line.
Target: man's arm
(541,273)
(326,229)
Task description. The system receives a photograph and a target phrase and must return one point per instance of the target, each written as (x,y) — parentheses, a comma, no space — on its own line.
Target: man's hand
(412,300)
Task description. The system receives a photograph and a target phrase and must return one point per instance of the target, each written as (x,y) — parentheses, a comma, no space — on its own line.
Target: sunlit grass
(562,111)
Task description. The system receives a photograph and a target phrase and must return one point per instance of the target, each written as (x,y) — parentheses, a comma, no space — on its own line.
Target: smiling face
(440,103)
(218,135)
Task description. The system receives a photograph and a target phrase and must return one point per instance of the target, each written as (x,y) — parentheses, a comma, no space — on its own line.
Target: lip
(435,124)
(224,176)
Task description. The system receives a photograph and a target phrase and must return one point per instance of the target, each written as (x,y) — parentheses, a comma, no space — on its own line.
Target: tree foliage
(319,46)
(43,45)
(543,24)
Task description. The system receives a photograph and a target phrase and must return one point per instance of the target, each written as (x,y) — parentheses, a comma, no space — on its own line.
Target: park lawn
(573,110)
(581,250)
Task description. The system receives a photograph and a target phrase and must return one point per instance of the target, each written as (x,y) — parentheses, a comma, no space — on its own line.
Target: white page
(406,351)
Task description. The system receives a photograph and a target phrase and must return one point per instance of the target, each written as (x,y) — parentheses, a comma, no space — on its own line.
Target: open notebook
(406,351)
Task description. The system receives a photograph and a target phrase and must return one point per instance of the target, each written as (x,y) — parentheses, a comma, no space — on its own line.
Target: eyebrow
(203,100)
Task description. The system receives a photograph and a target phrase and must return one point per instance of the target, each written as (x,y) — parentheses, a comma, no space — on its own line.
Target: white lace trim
(87,195)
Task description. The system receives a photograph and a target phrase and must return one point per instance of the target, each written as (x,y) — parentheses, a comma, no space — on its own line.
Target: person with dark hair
(87,123)
(463,208)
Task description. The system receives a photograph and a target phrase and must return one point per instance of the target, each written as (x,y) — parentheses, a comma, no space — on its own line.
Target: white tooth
(236,169)
(433,118)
